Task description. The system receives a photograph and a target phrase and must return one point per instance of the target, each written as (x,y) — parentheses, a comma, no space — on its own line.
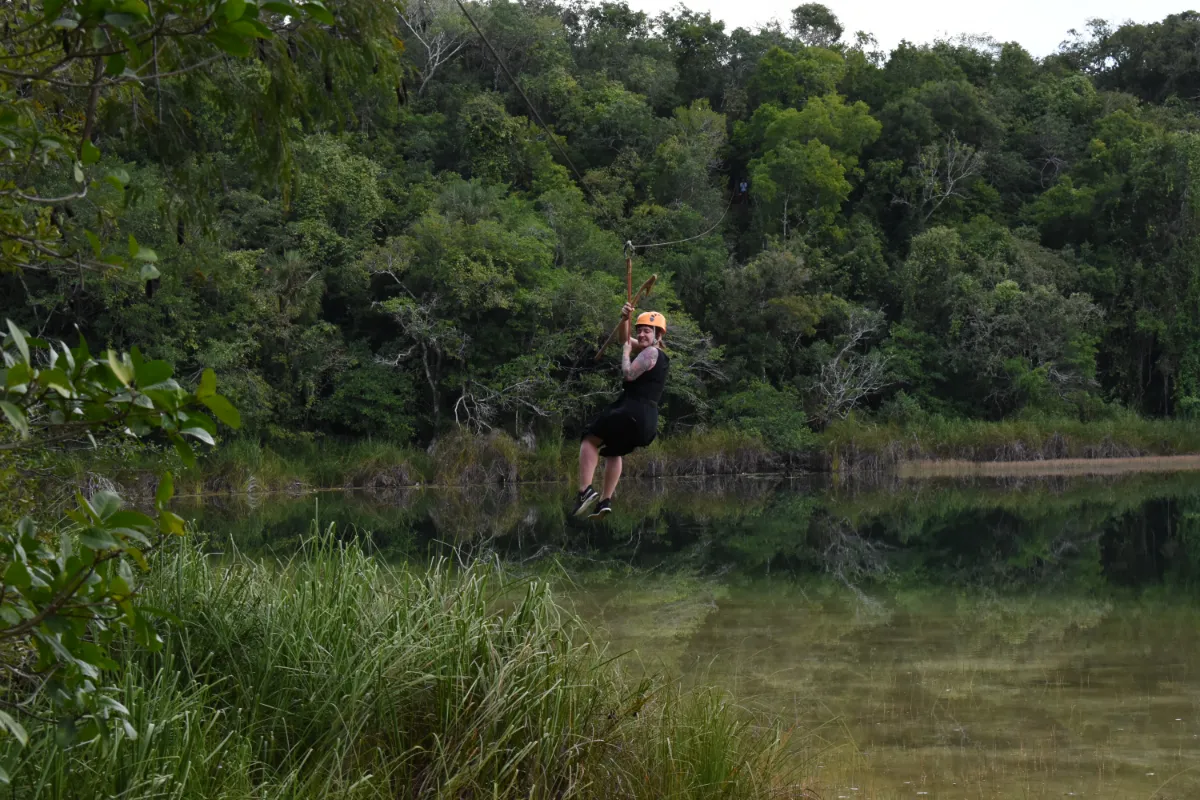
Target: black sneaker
(602,510)
(584,501)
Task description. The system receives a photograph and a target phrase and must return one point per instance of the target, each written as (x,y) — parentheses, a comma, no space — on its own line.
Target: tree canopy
(353,215)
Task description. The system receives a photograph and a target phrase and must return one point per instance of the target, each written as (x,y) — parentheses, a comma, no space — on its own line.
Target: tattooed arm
(644,362)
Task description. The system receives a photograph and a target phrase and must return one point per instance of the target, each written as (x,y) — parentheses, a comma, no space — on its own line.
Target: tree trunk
(437,414)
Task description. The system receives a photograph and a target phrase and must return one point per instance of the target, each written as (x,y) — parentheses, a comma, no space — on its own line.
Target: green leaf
(261,31)
(77,171)
(245,27)
(113,704)
(208,384)
(98,539)
(51,8)
(186,454)
(166,490)
(121,20)
(17,575)
(26,527)
(146,254)
(19,338)
(163,395)
(169,522)
(230,43)
(128,518)
(149,272)
(234,9)
(133,246)
(68,356)
(195,419)
(121,370)
(94,241)
(121,177)
(15,728)
(223,410)
(150,373)
(107,503)
(115,64)
(57,380)
(134,53)
(133,533)
(18,375)
(133,7)
(145,634)
(65,23)
(199,433)
(89,153)
(16,418)
(318,12)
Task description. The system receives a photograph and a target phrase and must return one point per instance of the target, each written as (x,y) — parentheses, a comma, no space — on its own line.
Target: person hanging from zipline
(632,421)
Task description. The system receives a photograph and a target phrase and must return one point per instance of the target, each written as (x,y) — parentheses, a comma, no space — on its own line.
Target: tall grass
(241,465)
(712,451)
(337,676)
(1027,437)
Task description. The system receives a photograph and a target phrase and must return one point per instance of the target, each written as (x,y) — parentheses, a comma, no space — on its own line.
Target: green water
(946,639)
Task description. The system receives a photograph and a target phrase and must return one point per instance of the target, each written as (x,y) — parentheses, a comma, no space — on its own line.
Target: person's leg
(589,457)
(612,474)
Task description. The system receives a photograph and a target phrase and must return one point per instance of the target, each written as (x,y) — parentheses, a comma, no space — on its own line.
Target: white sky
(1038,25)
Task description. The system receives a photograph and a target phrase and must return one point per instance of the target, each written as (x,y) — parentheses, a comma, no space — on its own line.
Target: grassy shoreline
(335,675)
(853,447)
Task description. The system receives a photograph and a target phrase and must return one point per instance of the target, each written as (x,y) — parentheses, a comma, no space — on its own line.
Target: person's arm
(639,366)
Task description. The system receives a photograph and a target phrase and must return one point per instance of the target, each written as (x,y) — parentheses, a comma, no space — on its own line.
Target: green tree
(816,25)
(788,78)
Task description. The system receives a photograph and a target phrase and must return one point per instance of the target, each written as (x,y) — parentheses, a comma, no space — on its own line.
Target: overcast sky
(1039,25)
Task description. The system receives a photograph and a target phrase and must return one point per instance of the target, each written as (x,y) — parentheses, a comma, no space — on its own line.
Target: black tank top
(648,387)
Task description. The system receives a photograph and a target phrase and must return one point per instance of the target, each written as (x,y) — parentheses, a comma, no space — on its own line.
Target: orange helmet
(652,318)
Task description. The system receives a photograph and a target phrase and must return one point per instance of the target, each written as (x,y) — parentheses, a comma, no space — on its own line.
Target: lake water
(926,639)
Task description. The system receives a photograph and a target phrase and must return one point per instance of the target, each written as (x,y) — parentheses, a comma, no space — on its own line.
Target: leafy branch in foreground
(68,394)
(63,602)
(62,59)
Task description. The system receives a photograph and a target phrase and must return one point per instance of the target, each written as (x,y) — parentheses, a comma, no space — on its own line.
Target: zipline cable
(690,238)
(525,97)
(561,151)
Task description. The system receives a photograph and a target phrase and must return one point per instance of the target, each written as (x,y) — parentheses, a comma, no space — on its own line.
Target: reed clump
(862,445)
(713,451)
(337,676)
(462,458)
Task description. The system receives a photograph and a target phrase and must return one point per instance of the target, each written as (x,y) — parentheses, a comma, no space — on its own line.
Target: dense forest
(381,222)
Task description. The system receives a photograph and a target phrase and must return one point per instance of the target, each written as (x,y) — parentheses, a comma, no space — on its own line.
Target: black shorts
(623,427)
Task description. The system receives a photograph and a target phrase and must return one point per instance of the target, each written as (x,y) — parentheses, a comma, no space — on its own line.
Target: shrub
(777,415)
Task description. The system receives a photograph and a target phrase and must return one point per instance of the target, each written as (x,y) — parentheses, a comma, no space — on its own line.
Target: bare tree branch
(943,171)
(849,376)
(440,31)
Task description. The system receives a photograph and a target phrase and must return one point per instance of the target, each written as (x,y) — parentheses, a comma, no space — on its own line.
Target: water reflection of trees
(1081,532)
